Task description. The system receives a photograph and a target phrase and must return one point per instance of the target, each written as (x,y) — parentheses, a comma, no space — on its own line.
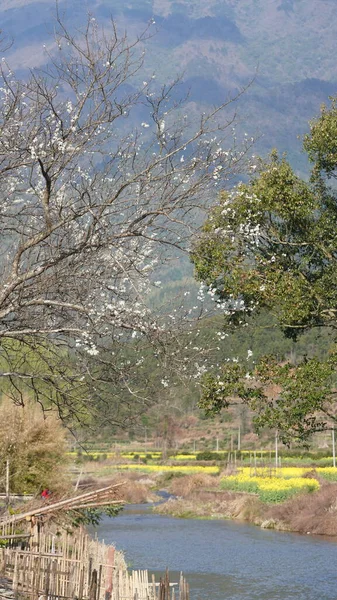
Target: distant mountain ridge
(287,45)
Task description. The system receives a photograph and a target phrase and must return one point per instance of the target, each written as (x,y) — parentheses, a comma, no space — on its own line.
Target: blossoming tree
(90,203)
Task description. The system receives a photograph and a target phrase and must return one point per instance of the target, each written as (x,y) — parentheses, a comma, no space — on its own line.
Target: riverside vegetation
(301,499)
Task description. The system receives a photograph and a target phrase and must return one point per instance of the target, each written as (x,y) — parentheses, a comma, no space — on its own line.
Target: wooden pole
(93,586)
(333,448)
(68,503)
(78,480)
(7,483)
(109,572)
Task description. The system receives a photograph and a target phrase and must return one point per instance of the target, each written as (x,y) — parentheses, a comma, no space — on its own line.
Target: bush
(207,455)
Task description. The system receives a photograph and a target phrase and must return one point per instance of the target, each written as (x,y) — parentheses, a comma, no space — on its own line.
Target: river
(226,560)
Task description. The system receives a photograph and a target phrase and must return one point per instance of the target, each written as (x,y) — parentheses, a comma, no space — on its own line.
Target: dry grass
(184,486)
(309,513)
(314,513)
(213,505)
(136,490)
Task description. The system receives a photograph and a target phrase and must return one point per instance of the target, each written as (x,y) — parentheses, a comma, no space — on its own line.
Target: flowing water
(226,560)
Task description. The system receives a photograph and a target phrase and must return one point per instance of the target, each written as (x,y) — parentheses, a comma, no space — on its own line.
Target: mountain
(287,46)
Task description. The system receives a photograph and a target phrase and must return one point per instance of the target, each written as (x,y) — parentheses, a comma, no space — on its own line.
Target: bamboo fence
(60,566)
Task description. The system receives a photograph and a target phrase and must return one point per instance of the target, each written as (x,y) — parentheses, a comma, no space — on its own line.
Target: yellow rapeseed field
(184,457)
(269,489)
(284,472)
(329,473)
(171,469)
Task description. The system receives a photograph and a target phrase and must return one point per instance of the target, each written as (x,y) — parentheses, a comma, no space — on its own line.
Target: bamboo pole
(64,503)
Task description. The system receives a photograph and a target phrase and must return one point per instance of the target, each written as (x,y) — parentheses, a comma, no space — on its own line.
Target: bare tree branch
(88,199)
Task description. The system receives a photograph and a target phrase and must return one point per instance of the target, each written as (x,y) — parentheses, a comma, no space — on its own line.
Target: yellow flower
(170,469)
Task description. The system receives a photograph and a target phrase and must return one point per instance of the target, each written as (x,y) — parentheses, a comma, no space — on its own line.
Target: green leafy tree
(271,244)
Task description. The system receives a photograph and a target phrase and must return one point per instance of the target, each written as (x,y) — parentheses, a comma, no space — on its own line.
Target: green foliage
(329,475)
(93,516)
(271,244)
(248,486)
(207,455)
(45,371)
(321,143)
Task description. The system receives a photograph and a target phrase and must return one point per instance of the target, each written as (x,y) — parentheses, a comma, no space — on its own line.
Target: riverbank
(314,513)
(199,496)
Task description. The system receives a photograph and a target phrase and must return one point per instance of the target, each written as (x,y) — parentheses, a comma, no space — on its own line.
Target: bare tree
(88,200)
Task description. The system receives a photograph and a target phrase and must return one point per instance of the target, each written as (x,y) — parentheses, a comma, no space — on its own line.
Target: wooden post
(154,593)
(7,483)
(47,580)
(93,586)
(99,581)
(110,562)
(78,479)
(80,591)
(16,575)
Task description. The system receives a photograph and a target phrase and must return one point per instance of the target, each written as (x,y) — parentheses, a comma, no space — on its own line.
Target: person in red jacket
(45,494)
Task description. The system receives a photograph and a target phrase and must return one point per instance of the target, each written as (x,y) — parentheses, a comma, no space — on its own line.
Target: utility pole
(7,482)
(276,448)
(239,438)
(217,444)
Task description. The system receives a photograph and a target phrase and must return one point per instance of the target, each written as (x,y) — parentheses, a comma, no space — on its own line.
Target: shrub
(207,455)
